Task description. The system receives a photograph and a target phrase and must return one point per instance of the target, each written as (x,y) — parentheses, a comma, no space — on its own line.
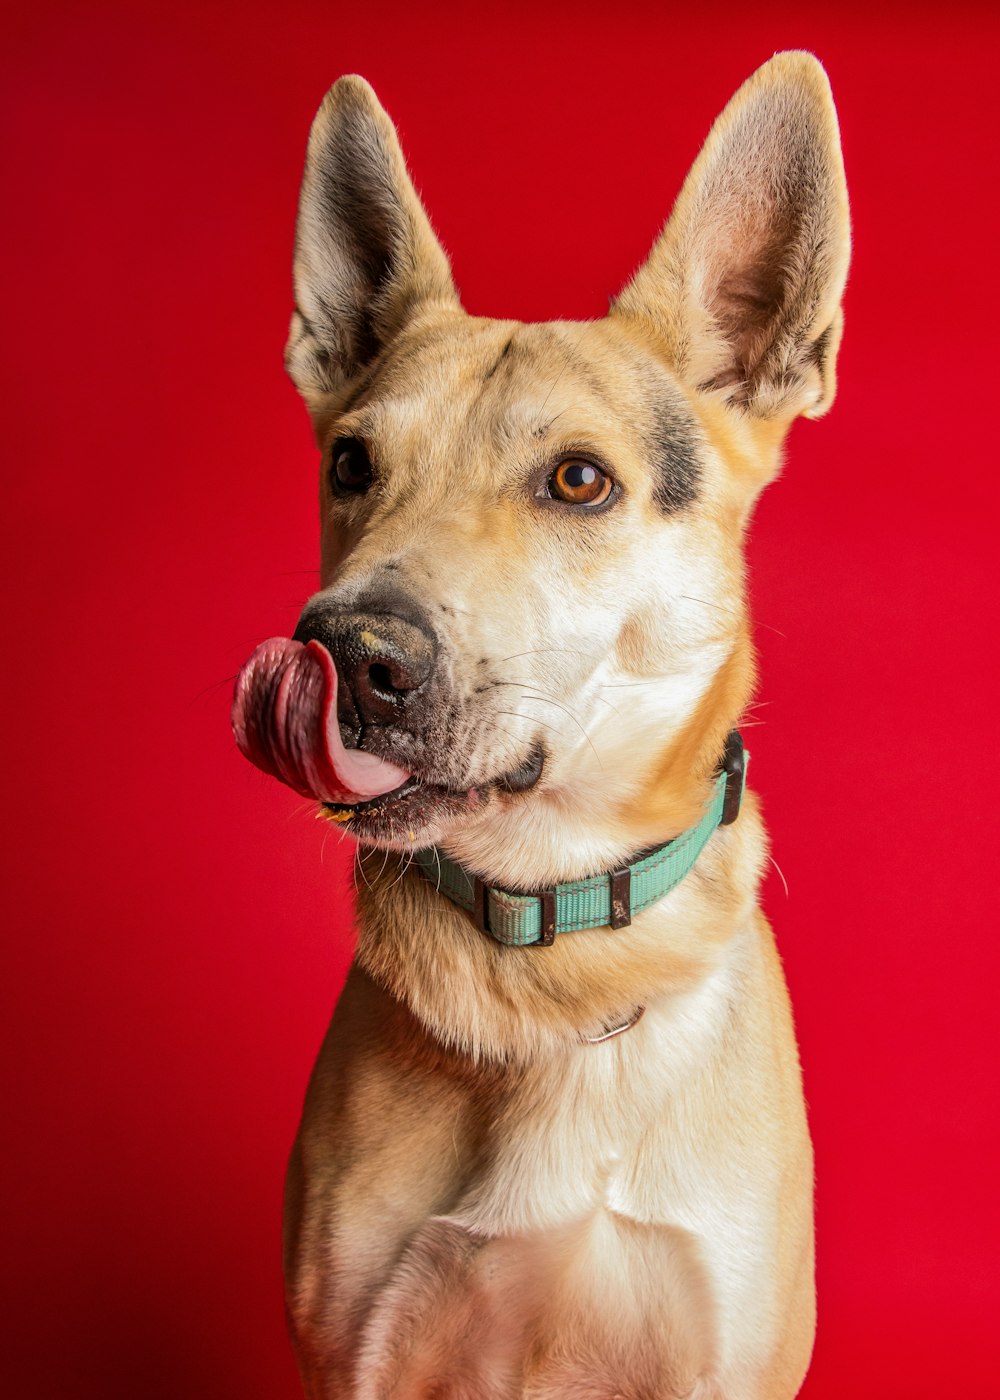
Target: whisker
(687,598)
(213,685)
(516,714)
(381,870)
(718,608)
(554,702)
(359,865)
(539,651)
(780,872)
(632,685)
(404,865)
(576,345)
(544,699)
(601,700)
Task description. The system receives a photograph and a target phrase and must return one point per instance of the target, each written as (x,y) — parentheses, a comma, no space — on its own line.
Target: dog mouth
(284,720)
(421,799)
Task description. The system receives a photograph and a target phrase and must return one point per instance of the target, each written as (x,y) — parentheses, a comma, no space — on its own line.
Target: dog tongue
(285,721)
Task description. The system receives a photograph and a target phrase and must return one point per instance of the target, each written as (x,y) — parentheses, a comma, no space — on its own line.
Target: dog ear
(365,253)
(743,287)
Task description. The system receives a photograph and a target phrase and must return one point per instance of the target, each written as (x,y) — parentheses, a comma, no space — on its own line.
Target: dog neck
(515,1005)
(532,918)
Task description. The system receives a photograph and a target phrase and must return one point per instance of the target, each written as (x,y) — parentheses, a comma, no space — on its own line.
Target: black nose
(382,662)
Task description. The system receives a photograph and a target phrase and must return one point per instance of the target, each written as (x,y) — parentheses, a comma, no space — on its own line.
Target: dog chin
(414,815)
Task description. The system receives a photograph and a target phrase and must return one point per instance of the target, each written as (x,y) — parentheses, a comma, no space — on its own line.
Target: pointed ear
(744,285)
(366,256)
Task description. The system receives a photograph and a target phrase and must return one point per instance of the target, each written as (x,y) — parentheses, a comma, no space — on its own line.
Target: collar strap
(532,919)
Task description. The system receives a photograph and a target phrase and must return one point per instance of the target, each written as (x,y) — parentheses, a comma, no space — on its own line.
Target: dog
(554,1145)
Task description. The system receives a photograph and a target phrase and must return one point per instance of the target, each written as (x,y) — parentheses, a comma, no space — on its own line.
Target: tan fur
(480,1203)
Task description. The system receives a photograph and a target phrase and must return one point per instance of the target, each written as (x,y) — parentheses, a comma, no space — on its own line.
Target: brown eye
(350,469)
(580,483)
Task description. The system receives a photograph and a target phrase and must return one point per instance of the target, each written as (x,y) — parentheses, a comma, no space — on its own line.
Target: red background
(177,928)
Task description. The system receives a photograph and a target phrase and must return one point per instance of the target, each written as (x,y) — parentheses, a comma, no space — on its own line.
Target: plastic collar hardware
(531,919)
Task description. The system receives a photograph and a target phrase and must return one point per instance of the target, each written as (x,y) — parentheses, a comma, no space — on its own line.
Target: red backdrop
(178,929)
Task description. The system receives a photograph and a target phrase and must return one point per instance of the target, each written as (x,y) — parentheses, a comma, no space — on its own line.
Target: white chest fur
(618,1230)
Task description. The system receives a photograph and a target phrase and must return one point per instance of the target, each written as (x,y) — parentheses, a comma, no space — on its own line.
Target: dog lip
(526,775)
(516,780)
(374,804)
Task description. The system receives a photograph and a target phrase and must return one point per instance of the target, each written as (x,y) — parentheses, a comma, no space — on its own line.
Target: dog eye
(350,469)
(580,483)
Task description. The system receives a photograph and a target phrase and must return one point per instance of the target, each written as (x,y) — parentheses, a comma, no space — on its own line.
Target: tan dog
(532,590)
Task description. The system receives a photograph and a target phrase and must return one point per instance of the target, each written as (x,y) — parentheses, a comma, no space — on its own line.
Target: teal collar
(532,919)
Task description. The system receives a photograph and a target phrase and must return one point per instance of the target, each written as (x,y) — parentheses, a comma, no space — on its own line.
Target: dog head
(532,577)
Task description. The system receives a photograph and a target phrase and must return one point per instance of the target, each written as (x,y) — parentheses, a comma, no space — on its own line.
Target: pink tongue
(285,721)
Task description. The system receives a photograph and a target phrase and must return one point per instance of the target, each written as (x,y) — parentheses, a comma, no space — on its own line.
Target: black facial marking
(500,359)
(356,397)
(673,447)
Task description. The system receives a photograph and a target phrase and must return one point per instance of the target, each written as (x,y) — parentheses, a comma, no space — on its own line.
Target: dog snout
(384,662)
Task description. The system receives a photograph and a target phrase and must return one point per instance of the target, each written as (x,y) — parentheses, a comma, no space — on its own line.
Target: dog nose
(382,661)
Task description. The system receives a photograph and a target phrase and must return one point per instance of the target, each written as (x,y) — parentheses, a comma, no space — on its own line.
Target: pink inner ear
(745,304)
(744,283)
(284,718)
